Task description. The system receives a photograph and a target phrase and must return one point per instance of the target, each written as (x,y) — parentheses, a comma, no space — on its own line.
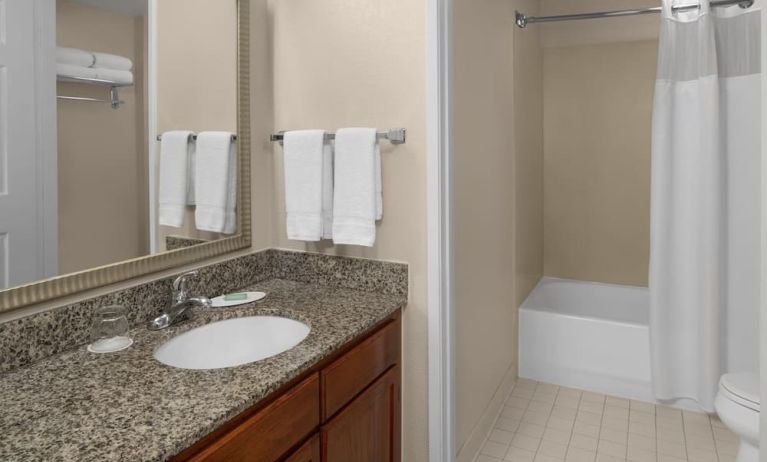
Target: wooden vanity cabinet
(309,452)
(346,409)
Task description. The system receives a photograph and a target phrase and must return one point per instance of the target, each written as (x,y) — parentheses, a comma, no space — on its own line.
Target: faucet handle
(180,283)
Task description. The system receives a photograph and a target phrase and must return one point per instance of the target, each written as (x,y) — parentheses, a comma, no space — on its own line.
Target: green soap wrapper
(233,297)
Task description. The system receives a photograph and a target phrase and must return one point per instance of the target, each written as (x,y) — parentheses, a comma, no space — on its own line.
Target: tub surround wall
(617,29)
(599,80)
(26,340)
(528,157)
(497,204)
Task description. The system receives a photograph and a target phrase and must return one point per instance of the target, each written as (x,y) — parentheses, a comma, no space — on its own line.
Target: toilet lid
(743,388)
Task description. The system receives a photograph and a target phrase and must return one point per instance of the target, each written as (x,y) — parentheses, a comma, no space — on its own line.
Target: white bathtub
(587,335)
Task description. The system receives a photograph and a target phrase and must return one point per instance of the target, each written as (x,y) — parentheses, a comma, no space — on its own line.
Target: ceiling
(131,7)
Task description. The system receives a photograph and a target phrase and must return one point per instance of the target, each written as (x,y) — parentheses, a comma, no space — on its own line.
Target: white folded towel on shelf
(110,61)
(175,153)
(74,56)
(215,182)
(307,165)
(357,177)
(71,70)
(113,75)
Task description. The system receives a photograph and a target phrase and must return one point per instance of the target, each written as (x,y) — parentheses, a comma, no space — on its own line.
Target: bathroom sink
(232,342)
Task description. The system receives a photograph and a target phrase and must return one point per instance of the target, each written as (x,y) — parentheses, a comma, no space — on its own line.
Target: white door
(21,201)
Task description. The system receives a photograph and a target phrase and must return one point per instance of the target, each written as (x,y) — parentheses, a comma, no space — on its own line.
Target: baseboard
(468,452)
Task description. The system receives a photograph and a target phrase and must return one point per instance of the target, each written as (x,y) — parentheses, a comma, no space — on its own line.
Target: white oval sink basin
(232,342)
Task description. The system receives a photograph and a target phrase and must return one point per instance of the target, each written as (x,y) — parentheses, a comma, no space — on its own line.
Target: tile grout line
(535,456)
(495,422)
(572,429)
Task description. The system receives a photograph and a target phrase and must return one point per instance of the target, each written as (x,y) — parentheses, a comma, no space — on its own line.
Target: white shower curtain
(704,262)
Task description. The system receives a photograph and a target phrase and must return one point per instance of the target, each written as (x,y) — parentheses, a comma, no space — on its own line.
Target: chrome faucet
(180,306)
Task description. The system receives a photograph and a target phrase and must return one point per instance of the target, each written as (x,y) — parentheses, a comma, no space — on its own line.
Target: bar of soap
(235,297)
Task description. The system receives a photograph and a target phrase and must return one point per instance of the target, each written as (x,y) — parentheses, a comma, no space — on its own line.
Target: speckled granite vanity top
(129,407)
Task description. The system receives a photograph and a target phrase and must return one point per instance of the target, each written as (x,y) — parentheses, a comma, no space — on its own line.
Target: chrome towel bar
(193,137)
(394,135)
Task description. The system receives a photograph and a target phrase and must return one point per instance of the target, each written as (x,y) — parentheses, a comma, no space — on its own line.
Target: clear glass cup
(109,331)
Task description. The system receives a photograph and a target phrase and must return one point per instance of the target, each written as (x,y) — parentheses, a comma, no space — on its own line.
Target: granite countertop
(79,406)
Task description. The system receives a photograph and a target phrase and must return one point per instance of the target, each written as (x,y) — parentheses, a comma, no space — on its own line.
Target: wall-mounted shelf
(114,94)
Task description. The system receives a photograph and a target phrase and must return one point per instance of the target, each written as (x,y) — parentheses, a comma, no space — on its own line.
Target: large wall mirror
(124,140)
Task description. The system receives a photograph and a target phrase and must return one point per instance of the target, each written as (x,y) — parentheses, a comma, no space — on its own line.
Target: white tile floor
(541,422)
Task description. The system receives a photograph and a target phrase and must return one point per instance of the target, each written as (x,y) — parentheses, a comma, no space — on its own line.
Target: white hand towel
(175,152)
(110,61)
(74,56)
(215,183)
(116,76)
(355,204)
(71,70)
(304,154)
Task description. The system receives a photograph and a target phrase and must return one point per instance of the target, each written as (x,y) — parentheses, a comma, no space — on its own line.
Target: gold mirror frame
(69,284)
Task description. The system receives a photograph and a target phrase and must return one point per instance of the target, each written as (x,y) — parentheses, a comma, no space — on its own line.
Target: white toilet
(737,404)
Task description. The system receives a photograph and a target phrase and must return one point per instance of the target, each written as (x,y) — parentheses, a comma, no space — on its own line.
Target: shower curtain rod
(523,20)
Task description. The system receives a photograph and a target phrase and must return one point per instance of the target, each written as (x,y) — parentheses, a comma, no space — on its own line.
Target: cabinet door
(309,452)
(368,429)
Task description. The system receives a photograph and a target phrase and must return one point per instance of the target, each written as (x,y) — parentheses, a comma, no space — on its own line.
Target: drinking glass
(109,331)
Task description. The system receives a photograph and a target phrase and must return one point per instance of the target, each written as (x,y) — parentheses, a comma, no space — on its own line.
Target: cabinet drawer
(354,371)
(309,452)
(269,434)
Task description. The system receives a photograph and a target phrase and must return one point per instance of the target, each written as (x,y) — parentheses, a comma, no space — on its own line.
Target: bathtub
(587,335)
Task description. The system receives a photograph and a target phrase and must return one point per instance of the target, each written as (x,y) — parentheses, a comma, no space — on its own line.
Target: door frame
(763,266)
(152,147)
(441,415)
(46,138)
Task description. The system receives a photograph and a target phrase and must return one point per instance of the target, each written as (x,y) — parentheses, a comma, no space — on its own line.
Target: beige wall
(101,155)
(498,200)
(338,64)
(598,106)
(196,76)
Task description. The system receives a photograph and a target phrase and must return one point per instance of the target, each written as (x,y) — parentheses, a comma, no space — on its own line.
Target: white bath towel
(356,203)
(117,76)
(175,153)
(72,70)
(215,182)
(75,57)
(110,61)
(304,165)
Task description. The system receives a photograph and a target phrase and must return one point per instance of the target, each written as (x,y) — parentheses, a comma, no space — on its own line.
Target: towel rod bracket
(114,96)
